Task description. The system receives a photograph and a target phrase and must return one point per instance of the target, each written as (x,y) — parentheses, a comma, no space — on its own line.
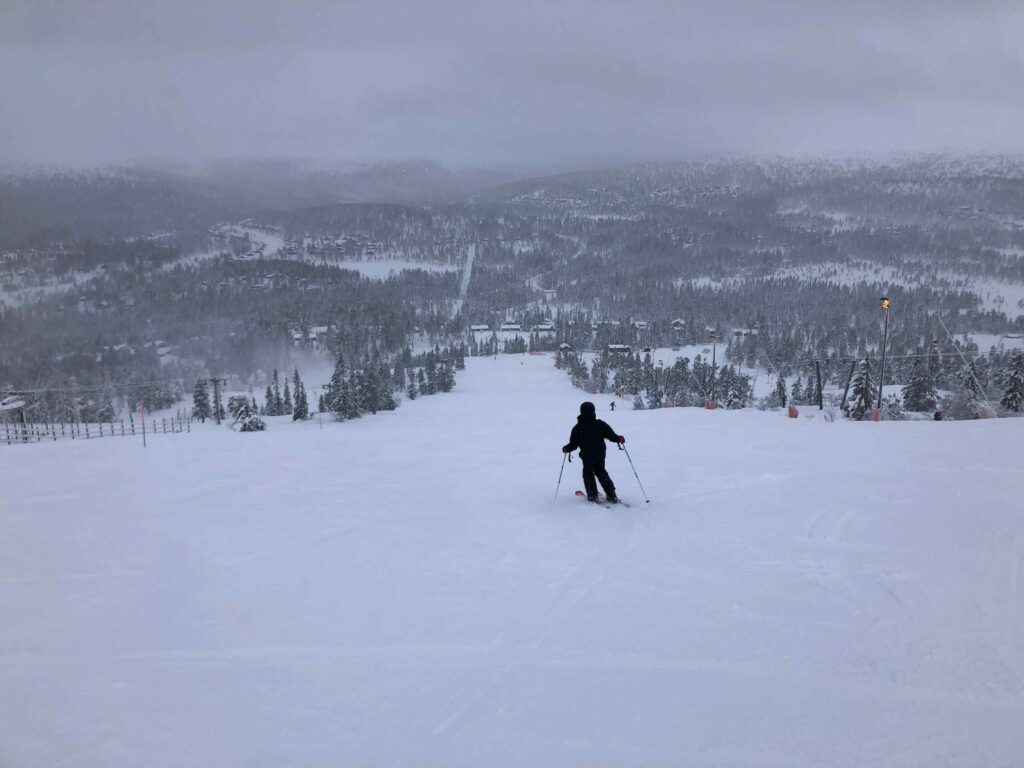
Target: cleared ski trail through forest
(402,590)
(467,275)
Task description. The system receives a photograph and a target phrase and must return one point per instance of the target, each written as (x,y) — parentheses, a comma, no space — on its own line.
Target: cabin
(479,328)
(678,324)
(544,328)
(12,411)
(315,338)
(511,327)
(619,349)
(563,347)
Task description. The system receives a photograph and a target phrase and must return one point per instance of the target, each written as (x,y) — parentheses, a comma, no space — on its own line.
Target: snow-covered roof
(11,403)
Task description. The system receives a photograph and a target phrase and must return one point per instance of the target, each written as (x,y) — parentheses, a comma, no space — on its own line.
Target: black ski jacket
(589,435)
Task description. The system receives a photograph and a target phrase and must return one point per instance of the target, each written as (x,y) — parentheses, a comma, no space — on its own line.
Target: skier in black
(589,435)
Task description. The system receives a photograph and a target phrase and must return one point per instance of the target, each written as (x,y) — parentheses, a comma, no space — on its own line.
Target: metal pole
(142,413)
(846,389)
(623,448)
(564,457)
(216,400)
(714,354)
(821,394)
(885,339)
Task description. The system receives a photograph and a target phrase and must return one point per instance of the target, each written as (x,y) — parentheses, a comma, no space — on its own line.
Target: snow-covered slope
(402,590)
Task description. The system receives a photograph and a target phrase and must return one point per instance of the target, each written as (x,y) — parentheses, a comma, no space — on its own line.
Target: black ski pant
(595,468)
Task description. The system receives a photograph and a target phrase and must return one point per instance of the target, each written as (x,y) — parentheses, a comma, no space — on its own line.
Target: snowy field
(382,269)
(403,590)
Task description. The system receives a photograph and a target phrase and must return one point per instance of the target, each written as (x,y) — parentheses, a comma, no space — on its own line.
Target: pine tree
(796,394)
(331,399)
(201,402)
(268,404)
(811,392)
(278,408)
(1013,394)
(286,403)
(971,376)
(421,381)
(385,387)
(780,398)
(410,390)
(368,389)
(739,387)
(301,409)
(244,417)
(920,394)
(862,396)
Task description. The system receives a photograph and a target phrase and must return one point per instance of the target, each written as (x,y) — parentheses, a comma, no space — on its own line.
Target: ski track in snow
(402,590)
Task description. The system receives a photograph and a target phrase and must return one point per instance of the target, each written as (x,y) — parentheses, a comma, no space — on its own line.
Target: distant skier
(613,405)
(589,435)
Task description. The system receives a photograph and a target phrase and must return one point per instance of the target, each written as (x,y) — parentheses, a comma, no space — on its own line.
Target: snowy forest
(144,281)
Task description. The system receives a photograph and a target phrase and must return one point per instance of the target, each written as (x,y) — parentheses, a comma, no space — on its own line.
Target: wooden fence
(35,432)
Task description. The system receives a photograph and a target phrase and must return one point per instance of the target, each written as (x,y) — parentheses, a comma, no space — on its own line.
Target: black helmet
(587,409)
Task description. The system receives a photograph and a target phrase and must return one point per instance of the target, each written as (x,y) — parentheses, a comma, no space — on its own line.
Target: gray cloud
(485,82)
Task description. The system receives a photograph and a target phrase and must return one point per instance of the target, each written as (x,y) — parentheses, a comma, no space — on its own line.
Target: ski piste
(603,500)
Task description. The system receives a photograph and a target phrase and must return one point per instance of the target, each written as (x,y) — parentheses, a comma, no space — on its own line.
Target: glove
(622,439)
(566,449)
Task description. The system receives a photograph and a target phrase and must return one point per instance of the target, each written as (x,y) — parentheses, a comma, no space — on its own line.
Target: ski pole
(564,457)
(623,448)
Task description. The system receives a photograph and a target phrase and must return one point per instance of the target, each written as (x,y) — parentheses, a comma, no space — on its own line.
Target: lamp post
(885,340)
(714,356)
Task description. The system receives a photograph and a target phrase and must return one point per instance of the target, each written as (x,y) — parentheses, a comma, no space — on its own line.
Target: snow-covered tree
(811,392)
(892,408)
(278,406)
(970,378)
(779,397)
(410,389)
(335,387)
(796,394)
(301,408)
(739,389)
(862,395)
(243,416)
(286,402)
(919,394)
(201,402)
(1013,392)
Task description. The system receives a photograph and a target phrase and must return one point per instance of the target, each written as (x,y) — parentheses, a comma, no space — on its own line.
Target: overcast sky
(517,81)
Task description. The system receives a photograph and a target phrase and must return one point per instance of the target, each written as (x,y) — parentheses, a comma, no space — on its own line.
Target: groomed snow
(402,590)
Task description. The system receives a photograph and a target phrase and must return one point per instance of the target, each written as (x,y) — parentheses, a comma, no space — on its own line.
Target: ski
(603,500)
